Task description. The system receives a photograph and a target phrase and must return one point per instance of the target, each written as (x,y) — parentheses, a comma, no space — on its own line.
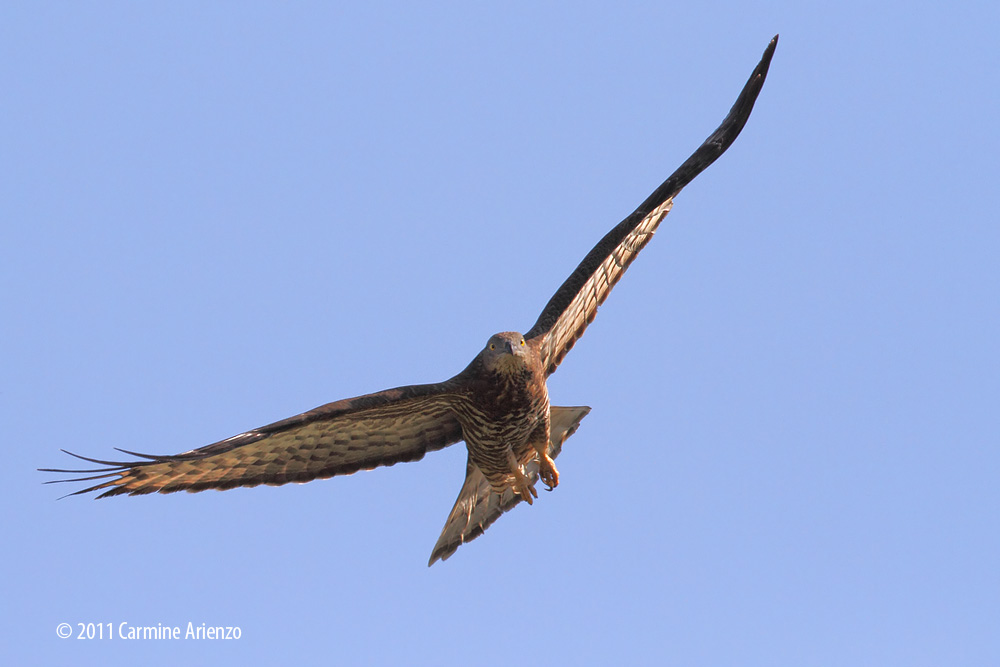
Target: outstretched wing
(339,438)
(574,305)
(478,505)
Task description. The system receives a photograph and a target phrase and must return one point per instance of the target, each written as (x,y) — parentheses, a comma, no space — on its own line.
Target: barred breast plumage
(506,405)
(499,404)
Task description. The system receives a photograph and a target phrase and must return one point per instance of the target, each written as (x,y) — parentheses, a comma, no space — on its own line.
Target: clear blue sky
(216,215)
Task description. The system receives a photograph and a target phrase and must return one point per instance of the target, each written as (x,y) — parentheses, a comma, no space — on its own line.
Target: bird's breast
(503,408)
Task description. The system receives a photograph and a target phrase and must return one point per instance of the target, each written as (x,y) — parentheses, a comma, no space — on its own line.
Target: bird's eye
(522,341)
(492,346)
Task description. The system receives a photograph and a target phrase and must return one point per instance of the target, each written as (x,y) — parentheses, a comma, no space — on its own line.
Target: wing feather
(574,305)
(339,438)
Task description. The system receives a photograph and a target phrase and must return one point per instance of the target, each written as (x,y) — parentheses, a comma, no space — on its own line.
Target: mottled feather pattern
(573,320)
(499,404)
(339,438)
(575,303)
(500,413)
(478,505)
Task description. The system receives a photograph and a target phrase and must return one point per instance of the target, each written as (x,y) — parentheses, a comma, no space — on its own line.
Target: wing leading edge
(574,305)
(340,438)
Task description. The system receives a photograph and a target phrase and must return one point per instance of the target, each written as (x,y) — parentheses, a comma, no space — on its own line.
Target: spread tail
(478,506)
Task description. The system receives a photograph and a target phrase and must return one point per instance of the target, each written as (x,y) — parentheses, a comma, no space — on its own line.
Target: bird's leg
(546,466)
(522,485)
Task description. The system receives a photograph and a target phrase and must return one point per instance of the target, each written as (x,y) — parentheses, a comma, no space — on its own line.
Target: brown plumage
(499,404)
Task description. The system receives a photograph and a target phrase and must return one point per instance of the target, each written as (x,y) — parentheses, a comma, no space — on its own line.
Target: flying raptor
(499,405)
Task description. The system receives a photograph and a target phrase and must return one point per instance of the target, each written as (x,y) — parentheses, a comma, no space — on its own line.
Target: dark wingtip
(765,59)
(116,464)
(733,124)
(719,141)
(151,457)
(114,469)
(770,48)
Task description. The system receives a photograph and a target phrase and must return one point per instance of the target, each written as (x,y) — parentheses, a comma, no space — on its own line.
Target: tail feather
(478,506)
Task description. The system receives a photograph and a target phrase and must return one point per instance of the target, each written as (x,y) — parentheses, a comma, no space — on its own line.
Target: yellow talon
(547,471)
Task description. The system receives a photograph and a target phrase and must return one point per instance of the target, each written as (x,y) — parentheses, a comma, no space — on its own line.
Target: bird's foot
(547,471)
(522,485)
(524,488)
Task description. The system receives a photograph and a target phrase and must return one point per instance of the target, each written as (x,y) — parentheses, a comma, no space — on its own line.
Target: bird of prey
(499,404)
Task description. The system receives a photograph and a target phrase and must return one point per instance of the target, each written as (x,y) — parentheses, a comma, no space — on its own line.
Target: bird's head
(505,351)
